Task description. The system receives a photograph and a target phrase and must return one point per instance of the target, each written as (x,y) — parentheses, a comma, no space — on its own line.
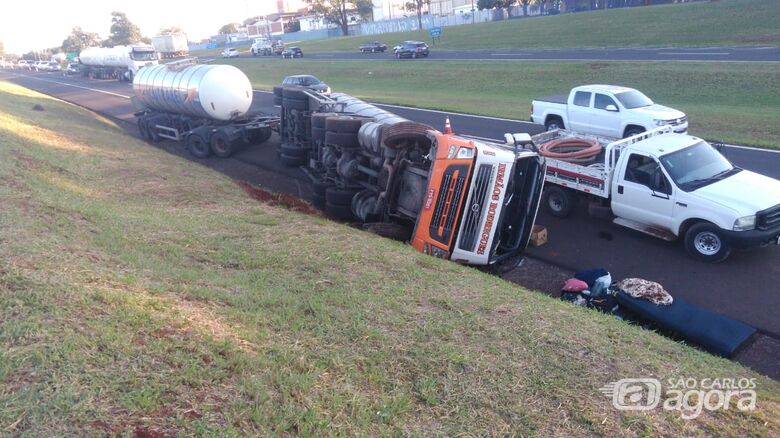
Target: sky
(27,25)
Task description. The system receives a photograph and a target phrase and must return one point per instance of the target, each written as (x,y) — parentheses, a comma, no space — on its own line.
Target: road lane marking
(76,86)
(695,53)
(510,54)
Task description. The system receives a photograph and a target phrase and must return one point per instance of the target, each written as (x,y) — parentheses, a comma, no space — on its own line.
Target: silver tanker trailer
(118,62)
(205,106)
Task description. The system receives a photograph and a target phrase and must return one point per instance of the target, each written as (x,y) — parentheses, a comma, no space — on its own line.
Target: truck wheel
(198,146)
(294,151)
(340,197)
(558,201)
(142,128)
(151,130)
(264,136)
(343,124)
(553,123)
(221,145)
(704,241)
(345,140)
(292,161)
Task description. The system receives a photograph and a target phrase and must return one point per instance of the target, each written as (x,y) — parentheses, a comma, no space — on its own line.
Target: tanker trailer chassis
(204,137)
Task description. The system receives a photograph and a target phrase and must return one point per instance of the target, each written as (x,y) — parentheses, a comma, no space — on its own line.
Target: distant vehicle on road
(55,66)
(171,46)
(230,52)
(412,49)
(372,47)
(307,81)
(6,64)
(72,69)
(24,65)
(262,46)
(41,66)
(292,52)
(607,110)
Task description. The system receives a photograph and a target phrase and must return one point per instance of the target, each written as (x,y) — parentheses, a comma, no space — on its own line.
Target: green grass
(143,294)
(713,24)
(734,102)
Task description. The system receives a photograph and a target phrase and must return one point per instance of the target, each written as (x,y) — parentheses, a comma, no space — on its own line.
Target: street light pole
(472,11)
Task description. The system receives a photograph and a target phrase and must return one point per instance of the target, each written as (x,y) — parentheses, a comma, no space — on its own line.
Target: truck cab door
(606,116)
(579,112)
(642,192)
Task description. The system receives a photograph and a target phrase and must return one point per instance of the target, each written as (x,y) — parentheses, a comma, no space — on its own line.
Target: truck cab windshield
(143,56)
(697,166)
(633,99)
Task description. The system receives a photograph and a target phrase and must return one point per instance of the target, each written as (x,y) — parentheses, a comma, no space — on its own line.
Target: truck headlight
(745,223)
(660,122)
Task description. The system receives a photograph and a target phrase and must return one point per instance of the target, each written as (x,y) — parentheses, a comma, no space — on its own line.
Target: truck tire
(292,161)
(221,145)
(294,151)
(340,197)
(143,129)
(558,201)
(339,212)
(345,140)
(264,136)
(553,123)
(343,124)
(705,241)
(296,104)
(197,146)
(152,130)
(318,119)
(294,93)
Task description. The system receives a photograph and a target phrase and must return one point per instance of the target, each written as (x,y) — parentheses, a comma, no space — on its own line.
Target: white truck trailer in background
(171,46)
(118,62)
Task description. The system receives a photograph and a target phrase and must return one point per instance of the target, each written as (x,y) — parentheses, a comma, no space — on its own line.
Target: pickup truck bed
(561,98)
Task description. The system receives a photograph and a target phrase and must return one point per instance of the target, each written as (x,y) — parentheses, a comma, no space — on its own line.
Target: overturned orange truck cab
(450,196)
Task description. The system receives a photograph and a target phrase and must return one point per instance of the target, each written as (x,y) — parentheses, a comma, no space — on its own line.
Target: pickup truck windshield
(633,99)
(697,166)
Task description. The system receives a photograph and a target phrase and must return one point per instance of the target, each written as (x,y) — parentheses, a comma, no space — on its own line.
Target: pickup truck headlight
(745,223)
(660,122)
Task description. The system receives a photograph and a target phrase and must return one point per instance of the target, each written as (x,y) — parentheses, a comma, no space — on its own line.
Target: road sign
(435,32)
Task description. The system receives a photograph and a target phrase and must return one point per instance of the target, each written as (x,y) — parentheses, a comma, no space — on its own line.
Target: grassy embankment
(142,293)
(734,102)
(713,24)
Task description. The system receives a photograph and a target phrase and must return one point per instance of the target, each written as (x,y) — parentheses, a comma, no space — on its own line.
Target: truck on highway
(450,196)
(172,45)
(118,62)
(266,47)
(606,110)
(204,106)
(667,185)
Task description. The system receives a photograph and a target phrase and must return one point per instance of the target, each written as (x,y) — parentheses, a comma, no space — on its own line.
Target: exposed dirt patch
(203,316)
(279,199)
(598,66)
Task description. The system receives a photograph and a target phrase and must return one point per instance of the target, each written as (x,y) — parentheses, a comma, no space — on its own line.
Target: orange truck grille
(445,213)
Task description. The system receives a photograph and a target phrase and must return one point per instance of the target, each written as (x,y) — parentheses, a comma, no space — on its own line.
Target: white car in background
(230,52)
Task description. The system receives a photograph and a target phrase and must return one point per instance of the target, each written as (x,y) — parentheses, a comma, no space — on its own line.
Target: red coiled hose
(575,150)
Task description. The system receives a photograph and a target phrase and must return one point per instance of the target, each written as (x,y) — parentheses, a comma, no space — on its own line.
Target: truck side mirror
(611,108)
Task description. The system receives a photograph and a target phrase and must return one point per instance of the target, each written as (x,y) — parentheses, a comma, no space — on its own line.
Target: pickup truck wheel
(558,201)
(221,145)
(198,146)
(704,241)
(553,123)
(633,131)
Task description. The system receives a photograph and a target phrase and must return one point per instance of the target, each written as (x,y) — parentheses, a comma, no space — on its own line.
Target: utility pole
(473,11)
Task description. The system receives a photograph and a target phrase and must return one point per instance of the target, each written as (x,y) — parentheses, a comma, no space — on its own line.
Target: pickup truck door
(579,111)
(642,192)
(606,116)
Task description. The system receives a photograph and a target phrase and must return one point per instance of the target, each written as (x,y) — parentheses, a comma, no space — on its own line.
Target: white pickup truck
(669,185)
(607,110)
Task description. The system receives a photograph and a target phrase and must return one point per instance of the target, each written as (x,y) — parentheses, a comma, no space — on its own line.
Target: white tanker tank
(105,62)
(204,106)
(219,92)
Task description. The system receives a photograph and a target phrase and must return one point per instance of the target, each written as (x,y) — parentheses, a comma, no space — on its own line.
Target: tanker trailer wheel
(143,128)
(221,145)
(198,146)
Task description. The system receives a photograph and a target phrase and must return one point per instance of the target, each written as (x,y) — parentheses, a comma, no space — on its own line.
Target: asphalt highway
(741,287)
(719,54)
